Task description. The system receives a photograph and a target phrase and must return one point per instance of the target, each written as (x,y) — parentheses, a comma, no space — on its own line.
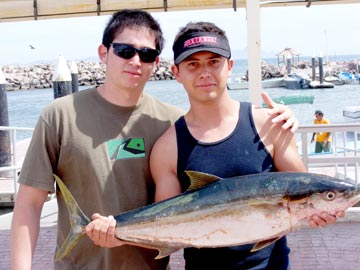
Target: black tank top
(241,153)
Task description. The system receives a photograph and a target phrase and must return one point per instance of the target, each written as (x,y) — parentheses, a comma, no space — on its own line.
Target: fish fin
(78,221)
(199,179)
(264,244)
(164,252)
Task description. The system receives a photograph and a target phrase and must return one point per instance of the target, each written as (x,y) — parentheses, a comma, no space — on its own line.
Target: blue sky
(331,29)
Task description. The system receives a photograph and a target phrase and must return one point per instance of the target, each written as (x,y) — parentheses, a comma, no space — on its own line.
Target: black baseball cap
(200,42)
(319,112)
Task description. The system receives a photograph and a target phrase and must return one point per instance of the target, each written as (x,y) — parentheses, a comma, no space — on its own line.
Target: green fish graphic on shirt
(126,148)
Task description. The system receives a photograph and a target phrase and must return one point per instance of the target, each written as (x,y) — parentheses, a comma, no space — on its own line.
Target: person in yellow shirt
(323,139)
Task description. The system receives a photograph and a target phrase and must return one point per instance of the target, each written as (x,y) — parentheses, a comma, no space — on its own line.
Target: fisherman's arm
(25,225)
(102,232)
(327,134)
(163,166)
(313,137)
(283,114)
(286,156)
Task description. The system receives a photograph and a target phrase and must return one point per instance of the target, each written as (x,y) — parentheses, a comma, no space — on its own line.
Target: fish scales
(217,212)
(234,189)
(216,226)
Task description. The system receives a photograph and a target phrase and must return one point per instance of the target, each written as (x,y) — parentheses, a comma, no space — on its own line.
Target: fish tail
(78,221)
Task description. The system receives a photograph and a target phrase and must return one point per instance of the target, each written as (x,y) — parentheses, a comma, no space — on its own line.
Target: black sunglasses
(127,51)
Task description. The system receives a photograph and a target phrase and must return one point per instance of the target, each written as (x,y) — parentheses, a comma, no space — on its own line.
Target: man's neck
(120,97)
(213,122)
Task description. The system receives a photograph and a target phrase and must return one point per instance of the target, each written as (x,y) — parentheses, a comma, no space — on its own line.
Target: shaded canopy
(288,53)
(16,10)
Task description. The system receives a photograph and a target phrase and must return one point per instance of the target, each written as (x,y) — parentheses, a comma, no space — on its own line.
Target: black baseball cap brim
(200,42)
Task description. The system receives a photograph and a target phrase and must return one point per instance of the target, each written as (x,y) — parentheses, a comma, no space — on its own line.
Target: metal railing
(15,166)
(345,153)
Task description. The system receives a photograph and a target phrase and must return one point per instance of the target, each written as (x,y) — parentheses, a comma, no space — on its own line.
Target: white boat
(352,111)
(268,83)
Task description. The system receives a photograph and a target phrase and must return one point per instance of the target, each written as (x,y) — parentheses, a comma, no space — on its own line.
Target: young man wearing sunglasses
(98,142)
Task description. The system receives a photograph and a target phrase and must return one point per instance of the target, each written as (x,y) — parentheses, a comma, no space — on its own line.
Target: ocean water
(24,106)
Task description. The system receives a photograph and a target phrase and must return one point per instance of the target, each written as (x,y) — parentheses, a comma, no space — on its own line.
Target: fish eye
(330,195)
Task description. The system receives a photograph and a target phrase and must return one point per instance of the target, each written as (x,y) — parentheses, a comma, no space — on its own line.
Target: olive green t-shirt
(101,152)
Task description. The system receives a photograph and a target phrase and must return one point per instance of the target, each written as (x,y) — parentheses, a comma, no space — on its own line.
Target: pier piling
(74,77)
(321,70)
(288,65)
(313,68)
(62,83)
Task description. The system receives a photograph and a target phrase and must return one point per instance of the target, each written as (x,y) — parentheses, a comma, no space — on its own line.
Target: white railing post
(15,166)
(304,149)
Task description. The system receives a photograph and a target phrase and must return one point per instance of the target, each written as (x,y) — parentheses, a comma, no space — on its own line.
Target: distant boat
(334,80)
(352,111)
(295,81)
(294,99)
(349,77)
(268,83)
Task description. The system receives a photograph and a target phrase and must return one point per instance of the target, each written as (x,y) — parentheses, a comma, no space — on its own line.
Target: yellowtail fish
(218,212)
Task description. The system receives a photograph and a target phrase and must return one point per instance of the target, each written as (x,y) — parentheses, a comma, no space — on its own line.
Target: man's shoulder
(67,103)
(161,104)
(167,141)
(326,121)
(163,108)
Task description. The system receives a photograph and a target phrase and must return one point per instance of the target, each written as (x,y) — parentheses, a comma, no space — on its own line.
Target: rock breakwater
(304,68)
(39,76)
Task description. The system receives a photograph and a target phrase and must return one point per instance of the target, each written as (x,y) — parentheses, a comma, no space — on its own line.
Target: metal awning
(16,10)
(19,10)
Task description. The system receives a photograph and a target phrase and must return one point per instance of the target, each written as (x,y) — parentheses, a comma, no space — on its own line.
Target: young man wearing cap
(223,137)
(323,139)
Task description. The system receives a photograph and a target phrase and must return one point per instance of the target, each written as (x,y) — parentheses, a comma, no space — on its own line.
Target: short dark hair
(319,112)
(132,18)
